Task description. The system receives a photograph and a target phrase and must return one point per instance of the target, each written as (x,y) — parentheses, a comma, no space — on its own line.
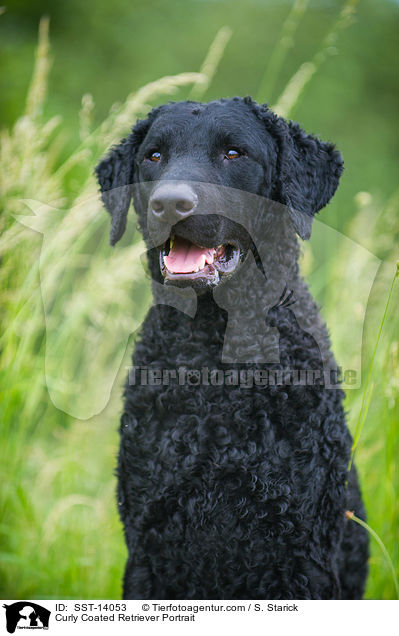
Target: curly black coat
(231,491)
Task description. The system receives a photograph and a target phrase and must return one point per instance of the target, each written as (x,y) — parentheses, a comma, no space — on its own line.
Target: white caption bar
(167,617)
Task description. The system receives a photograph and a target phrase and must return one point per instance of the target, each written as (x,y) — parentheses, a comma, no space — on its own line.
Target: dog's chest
(218,449)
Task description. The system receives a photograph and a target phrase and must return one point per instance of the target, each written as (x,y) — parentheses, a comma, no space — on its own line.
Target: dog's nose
(172,202)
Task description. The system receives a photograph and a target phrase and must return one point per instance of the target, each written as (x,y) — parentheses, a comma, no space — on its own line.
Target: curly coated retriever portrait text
(233,476)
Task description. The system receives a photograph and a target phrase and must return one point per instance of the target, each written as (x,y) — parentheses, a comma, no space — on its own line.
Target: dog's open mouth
(182,260)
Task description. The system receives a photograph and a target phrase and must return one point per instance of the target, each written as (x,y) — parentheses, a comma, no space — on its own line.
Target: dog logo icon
(26,615)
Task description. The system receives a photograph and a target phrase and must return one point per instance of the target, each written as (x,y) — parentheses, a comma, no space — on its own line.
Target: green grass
(65,293)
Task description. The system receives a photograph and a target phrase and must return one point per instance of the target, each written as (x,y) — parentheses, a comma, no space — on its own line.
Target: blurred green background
(332,66)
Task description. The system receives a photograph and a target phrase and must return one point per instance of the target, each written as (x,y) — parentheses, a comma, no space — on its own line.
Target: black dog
(230,490)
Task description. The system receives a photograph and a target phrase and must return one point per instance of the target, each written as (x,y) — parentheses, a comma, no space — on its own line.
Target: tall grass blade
(352,516)
(285,43)
(363,419)
(211,63)
(295,87)
(38,86)
(362,416)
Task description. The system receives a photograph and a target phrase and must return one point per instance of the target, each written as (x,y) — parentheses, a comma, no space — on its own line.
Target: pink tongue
(185,257)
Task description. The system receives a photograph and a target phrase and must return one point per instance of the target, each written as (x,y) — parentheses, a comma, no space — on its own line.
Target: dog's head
(186,166)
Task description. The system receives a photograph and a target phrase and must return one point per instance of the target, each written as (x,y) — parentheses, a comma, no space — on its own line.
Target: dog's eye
(155,156)
(232,153)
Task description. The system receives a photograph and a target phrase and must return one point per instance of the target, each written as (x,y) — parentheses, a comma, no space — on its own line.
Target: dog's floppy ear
(309,172)
(115,175)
